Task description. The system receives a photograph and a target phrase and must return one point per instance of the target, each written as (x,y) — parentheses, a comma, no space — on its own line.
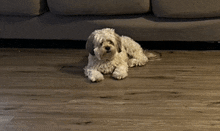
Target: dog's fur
(111,53)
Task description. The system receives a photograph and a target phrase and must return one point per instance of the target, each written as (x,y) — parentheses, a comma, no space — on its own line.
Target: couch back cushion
(98,7)
(23,7)
(186,8)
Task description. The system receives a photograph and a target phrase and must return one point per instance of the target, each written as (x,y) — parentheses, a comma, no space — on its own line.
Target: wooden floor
(46,90)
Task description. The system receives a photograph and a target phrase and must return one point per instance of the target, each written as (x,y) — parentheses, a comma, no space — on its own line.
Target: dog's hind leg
(137,61)
(135,52)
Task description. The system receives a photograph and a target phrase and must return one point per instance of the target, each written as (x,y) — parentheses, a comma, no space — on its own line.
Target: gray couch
(143,20)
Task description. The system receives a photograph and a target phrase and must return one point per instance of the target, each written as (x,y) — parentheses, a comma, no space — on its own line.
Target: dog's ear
(118,40)
(90,45)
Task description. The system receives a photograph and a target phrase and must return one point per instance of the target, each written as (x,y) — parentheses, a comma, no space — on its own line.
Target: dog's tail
(153,55)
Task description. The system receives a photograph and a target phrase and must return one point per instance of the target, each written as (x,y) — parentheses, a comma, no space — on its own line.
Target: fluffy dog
(111,53)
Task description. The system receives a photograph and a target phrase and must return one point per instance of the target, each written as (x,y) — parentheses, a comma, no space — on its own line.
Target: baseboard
(70,44)
(180,45)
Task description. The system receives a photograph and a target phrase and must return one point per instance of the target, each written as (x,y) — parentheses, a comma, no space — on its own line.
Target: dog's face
(104,44)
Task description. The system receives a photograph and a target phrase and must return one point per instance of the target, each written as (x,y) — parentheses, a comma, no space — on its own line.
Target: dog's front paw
(119,75)
(96,77)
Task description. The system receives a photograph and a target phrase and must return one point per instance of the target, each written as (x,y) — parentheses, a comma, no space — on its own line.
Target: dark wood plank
(45,89)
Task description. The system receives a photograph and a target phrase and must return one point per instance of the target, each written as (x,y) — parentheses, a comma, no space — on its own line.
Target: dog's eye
(111,42)
(101,43)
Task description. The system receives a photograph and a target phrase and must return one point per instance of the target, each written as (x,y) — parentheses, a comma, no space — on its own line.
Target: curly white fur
(112,54)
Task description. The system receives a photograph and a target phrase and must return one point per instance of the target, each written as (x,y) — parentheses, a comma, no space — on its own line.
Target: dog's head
(104,44)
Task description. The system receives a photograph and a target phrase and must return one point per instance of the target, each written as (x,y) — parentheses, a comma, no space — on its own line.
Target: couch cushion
(98,7)
(186,8)
(22,7)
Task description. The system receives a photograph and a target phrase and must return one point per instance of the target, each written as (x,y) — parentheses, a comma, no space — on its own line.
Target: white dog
(111,53)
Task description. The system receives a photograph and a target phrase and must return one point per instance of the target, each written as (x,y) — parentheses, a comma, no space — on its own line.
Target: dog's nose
(107,48)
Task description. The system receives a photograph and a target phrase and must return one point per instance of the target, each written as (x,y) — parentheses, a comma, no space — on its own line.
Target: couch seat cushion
(139,27)
(186,8)
(98,7)
(22,7)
